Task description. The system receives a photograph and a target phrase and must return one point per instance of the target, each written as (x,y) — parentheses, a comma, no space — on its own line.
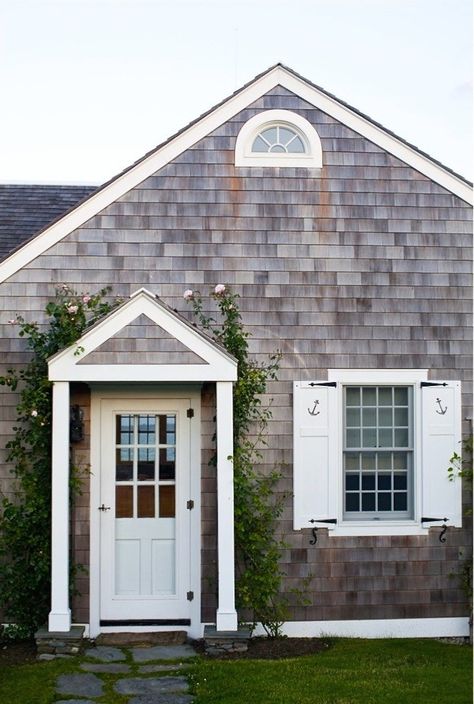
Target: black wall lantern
(76,424)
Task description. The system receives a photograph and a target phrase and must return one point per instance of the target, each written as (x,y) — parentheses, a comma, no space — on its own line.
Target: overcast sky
(88,86)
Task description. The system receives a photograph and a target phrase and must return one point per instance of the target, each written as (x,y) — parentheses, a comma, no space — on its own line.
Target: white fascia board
(143,373)
(65,365)
(377,376)
(155,161)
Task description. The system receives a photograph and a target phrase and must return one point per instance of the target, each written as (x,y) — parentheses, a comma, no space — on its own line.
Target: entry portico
(144,364)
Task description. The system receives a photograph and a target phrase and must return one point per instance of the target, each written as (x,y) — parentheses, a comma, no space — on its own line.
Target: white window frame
(311,158)
(378,377)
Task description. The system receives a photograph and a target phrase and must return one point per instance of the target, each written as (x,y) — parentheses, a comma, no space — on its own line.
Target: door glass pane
(167,495)
(146,464)
(167,464)
(124,430)
(167,430)
(146,430)
(146,502)
(124,464)
(124,501)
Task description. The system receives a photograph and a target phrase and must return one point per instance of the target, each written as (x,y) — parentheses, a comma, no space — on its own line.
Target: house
(350,249)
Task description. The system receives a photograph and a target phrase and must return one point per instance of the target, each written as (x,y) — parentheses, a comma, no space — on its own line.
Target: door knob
(104,508)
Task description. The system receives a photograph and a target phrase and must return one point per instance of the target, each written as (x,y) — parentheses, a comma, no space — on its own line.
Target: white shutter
(315,464)
(441,437)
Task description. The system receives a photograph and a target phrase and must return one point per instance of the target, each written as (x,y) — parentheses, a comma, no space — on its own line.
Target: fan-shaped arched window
(278,138)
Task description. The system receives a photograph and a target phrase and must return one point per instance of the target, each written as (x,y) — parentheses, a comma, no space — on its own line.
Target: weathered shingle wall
(364,264)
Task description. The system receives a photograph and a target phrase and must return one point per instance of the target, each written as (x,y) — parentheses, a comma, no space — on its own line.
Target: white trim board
(456,627)
(200,129)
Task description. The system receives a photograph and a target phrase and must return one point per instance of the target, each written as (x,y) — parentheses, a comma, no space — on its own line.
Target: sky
(89,86)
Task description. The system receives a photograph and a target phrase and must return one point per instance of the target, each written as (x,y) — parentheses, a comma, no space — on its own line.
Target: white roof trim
(220,366)
(171,149)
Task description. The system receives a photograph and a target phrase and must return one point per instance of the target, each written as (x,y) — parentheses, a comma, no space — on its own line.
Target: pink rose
(72,309)
(86,299)
(188,295)
(12,321)
(219,289)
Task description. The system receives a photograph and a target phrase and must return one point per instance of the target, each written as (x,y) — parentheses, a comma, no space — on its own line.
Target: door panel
(145,556)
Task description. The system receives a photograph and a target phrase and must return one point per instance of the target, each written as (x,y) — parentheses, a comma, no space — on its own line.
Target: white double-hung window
(372,451)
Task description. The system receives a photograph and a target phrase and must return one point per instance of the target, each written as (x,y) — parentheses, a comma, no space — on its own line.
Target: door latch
(104,508)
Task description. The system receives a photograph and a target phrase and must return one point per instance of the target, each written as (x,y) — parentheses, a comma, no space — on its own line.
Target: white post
(60,615)
(226,617)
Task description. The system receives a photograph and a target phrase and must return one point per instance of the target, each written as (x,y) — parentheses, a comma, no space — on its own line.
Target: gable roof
(207,361)
(206,123)
(27,208)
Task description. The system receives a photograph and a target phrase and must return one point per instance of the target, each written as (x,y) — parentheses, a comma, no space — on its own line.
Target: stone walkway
(142,674)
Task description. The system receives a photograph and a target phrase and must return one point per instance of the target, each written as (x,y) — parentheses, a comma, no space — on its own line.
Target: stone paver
(151,686)
(105,653)
(163,652)
(106,667)
(143,669)
(82,685)
(164,699)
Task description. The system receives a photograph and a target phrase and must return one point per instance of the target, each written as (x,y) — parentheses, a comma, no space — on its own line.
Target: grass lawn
(350,672)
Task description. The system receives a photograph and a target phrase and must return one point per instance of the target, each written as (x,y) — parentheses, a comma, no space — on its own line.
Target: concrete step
(142,639)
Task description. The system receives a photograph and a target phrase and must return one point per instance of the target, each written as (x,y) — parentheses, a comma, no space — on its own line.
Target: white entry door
(144,514)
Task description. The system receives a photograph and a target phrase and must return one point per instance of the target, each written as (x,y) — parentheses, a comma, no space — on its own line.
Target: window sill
(386,528)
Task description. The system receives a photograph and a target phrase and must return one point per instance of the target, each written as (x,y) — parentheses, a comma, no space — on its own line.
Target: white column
(226,617)
(60,615)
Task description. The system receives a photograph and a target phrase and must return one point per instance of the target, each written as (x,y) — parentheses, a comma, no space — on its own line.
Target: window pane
(352,482)
(385,502)
(401,416)
(385,396)
(368,460)
(401,396)
(385,437)
(384,481)
(146,502)
(384,460)
(401,438)
(400,501)
(296,146)
(352,502)
(167,463)
(400,460)
(353,438)
(368,502)
(353,417)
(146,464)
(369,396)
(124,464)
(352,460)
(270,135)
(277,148)
(124,501)
(353,396)
(400,481)
(259,145)
(368,481)
(285,135)
(369,417)
(385,417)
(167,502)
(369,437)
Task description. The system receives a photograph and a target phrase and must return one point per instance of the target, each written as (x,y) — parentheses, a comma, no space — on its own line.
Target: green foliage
(461,467)
(25,539)
(256,505)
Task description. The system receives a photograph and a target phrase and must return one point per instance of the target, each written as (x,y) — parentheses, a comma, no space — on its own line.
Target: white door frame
(136,392)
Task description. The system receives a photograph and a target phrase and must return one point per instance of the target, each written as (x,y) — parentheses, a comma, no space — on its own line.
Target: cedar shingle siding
(365,264)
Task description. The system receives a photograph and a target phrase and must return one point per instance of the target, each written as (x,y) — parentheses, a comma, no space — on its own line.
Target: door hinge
(190,413)
(190,504)
(190,596)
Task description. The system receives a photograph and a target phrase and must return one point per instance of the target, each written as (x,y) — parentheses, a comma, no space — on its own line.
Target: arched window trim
(312,158)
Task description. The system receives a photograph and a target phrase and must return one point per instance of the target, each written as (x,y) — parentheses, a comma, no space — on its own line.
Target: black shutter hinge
(190,596)
(444,527)
(314,530)
(323,383)
(433,383)
(190,504)
(190,413)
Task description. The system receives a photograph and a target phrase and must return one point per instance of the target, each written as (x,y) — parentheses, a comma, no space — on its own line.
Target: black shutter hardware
(432,383)
(323,383)
(444,527)
(314,530)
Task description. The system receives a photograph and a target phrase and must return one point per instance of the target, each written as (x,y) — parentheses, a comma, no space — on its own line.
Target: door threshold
(147,622)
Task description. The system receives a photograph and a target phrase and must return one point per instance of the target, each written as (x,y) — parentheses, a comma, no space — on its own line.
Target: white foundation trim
(377,628)
(233,105)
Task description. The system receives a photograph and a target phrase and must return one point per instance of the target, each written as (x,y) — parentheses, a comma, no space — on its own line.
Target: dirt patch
(17,652)
(274,648)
